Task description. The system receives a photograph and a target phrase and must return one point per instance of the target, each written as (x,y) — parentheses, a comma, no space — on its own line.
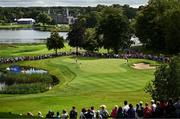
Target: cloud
(27,3)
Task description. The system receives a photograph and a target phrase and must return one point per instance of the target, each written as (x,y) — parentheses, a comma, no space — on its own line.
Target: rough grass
(89,82)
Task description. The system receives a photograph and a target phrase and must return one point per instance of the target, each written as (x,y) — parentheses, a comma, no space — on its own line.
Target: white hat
(103,106)
(116,106)
(152,101)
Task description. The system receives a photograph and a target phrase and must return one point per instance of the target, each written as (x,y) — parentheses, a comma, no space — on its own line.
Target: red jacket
(147,112)
(114,113)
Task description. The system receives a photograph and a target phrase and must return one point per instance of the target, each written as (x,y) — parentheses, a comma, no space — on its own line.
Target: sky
(84,3)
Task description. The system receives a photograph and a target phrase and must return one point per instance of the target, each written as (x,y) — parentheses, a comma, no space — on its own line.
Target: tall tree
(129,11)
(157,24)
(90,40)
(115,30)
(44,18)
(76,34)
(149,29)
(172,30)
(93,19)
(54,42)
(167,81)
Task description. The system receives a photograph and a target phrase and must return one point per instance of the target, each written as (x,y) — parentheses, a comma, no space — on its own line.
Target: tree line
(156,25)
(108,28)
(8,14)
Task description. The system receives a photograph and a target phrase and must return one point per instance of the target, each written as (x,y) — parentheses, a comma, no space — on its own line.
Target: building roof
(26,19)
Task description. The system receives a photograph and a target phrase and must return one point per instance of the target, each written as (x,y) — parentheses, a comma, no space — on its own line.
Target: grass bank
(40,27)
(13,50)
(14,26)
(58,27)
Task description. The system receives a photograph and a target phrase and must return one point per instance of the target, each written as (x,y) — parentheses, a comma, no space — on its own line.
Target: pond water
(34,36)
(25,36)
(29,70)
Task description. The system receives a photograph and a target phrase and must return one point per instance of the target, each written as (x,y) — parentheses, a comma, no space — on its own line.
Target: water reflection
(25,36)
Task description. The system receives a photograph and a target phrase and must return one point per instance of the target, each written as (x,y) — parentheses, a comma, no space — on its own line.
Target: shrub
(11,78)
(167,81)
(19,83)
(25,88)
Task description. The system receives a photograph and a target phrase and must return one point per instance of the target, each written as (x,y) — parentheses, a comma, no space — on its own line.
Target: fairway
(89,82)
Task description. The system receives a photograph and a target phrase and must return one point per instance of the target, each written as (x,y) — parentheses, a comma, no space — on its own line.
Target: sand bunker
(142,66)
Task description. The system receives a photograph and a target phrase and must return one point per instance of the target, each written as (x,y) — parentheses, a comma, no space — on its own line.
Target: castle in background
(62,18)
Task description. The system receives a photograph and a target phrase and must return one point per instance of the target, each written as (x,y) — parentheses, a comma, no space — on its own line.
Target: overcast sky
(27,3)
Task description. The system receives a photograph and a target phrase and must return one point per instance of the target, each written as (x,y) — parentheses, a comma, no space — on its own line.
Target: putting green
(89,82)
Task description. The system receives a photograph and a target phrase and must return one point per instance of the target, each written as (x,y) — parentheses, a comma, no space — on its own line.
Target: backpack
(140,112)
(105,114)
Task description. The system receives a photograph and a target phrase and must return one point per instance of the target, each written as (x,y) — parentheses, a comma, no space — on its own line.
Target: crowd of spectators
(125,55)
(157,109)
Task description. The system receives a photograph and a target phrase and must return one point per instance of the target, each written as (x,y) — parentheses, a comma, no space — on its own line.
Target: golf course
(89,82)
(90,59)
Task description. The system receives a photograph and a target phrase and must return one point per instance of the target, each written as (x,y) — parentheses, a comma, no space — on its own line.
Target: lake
(25,36)
(34,36)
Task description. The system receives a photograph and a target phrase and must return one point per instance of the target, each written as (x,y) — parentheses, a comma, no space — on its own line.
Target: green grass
(12,50)
(58,27)
(89,82)
(14,26)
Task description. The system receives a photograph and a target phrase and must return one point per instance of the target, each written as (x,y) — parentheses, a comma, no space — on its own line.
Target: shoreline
(59,28)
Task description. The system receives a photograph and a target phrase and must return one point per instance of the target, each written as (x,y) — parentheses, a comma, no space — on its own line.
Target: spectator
(64,114)
(114,112)
(158,110)
(125,108)
(89,114)
(40,115)
(147,111)
(52,114)
(153,107)
(139,110)
(103,112)
(30,114)
(131,112)
(94,112)
(58,115)
(163,105)
(98,116)
(120,113)
(48,115)
(73,113)
(83,114)
(170,109)
(177,107)
(136,115)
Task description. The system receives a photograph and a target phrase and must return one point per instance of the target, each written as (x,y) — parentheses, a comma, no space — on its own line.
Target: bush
(19,83)
(25,88)
(167,81)
(18,78)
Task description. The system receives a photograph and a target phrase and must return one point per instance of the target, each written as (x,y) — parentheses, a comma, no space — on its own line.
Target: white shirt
(125,108)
